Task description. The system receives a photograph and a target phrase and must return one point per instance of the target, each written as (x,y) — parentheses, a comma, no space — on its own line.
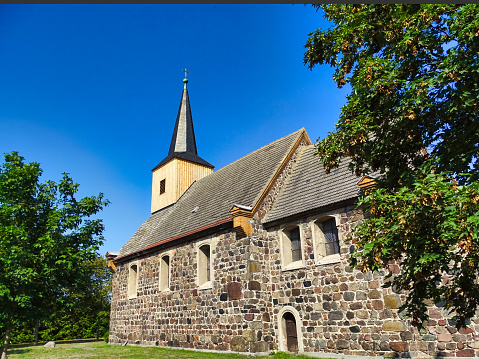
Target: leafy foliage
(411,121)
(46,237)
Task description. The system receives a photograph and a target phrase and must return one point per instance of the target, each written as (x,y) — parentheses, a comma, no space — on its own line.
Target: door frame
(282,339)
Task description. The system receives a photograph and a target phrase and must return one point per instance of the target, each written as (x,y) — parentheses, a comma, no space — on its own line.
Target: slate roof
(309,187)
(183,142)
(241,182)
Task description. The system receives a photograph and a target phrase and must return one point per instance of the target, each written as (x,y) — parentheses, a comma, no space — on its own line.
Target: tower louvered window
(162,186)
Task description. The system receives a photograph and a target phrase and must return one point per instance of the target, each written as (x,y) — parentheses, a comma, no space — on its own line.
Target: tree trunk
(97,326)
(36,331)
(6,342)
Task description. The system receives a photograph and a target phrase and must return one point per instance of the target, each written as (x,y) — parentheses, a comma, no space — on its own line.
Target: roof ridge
(302,129)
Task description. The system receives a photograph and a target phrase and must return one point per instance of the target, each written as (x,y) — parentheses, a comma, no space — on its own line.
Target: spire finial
(185,80)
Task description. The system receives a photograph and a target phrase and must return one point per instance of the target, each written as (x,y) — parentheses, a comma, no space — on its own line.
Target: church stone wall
(341,310)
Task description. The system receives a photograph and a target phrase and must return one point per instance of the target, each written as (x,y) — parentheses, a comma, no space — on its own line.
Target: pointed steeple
(183,139)
(183,142)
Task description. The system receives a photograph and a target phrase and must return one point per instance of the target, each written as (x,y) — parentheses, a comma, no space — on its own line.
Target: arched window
(292,249)
(165,272)
(133,281)
(326,237)
(204,264)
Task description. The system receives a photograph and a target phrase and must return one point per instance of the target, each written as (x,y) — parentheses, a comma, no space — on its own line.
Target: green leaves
(45,235)
(411,119)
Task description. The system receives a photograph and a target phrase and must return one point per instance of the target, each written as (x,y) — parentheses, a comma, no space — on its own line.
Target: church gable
(310,188)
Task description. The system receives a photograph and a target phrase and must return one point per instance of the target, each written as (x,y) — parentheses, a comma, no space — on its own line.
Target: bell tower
(182,166)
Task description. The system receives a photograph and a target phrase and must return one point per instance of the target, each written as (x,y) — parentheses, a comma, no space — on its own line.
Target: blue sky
(93,90)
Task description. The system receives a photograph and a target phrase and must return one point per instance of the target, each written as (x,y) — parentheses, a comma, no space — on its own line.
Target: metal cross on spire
(185,80)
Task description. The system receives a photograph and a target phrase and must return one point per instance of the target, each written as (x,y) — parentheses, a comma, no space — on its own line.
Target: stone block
(296,291)
(465,353)
(249,335)
(254,266)
(356,305)
(238,344)
(374,294)
(392,301)
(361,295)
(266,317)
(474,344)
(428,338)
(355,329)
(335,315)
(348,296)
(377,304)
(234,290)
(259,347)
(342,344)
(256,325)
(384,346)
(398,346)
(49,345)
(444,337)
(394,326)
(362,314)
(406,335)
(254,285)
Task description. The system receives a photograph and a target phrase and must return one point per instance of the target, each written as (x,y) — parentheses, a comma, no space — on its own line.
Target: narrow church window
(165,272)
(162,186)
(331,241)
(291,247)
(327,247)
(295,244)
(132,281)
(204,264)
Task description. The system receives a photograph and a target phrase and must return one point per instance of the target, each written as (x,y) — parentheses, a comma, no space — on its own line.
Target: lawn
(100,350)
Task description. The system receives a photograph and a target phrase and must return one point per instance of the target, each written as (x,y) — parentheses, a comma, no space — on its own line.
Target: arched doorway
(291,332)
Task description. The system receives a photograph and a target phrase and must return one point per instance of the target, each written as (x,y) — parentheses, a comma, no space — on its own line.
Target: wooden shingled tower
(182,166)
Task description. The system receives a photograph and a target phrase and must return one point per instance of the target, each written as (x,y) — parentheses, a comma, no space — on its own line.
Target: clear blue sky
(93,90)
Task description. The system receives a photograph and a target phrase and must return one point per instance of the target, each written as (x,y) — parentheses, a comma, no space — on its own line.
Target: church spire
(183,142)
(183,139)
(175,174)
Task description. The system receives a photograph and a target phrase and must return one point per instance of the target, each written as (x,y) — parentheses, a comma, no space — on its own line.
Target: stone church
(254,258)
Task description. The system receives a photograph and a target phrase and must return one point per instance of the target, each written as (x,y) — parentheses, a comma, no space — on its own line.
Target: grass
(100,350)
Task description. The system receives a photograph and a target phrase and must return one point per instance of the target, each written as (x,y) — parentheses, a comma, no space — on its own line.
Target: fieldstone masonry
(342,310)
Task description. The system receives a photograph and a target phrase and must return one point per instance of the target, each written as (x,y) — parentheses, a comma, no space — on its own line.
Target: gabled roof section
(310,188)
(183,142)
(210,199)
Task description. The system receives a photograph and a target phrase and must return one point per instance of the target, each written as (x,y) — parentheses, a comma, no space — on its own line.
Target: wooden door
(291,334)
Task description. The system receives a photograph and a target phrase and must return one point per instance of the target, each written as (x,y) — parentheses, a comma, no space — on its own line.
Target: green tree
(45,236)
(86,313)
(411,121)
